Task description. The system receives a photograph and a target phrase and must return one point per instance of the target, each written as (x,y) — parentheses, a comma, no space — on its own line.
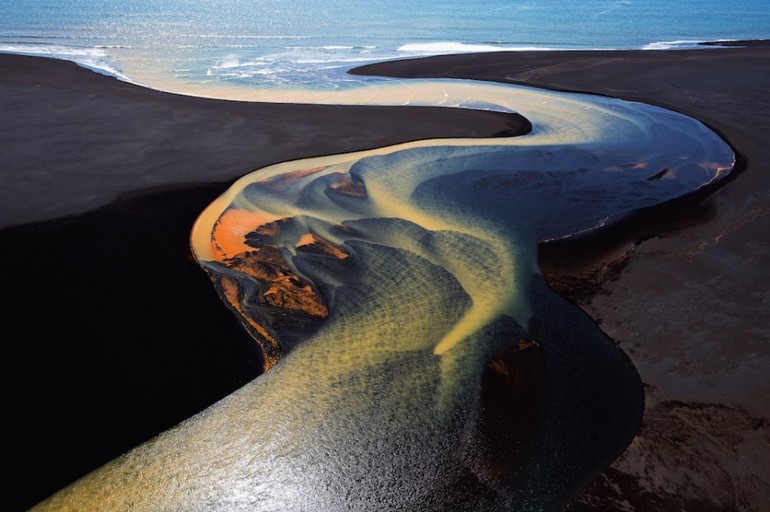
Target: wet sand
(127,338)
(687,297)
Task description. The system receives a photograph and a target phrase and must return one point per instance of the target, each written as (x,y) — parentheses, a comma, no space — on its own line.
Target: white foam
(674,45)
(95,59)
(54,50)
(229,62)
(440,47)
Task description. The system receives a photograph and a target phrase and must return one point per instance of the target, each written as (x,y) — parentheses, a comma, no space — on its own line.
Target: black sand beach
(114,333)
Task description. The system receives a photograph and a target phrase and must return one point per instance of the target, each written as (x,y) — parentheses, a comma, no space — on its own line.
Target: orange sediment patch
(230,293)
(285,289)
(311,241)
(228,237)
(306,239)
(245,243)
(281,289)
(350,187)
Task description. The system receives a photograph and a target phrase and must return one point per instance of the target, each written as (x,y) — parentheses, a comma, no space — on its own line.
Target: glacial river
(418,360)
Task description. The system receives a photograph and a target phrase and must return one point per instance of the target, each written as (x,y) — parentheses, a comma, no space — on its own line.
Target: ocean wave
(341,61)
(230,62)
(440,47)
(30,38)
(303,66)
(93,58)
(48,49)
(244,36)
(674,45)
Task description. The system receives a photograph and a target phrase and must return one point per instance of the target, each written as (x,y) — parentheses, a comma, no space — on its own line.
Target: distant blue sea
(282,43)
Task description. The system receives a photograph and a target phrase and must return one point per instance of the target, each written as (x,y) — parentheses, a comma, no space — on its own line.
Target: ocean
(281,44)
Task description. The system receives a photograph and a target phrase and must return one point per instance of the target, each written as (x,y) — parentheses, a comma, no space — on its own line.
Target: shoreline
(618,300)
(107,69)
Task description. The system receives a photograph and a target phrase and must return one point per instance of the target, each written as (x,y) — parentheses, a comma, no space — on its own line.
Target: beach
(128,338)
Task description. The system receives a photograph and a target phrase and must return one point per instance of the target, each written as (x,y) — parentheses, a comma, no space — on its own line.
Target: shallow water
(420,361)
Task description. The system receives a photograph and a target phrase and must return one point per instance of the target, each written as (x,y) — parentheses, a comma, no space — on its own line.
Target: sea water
(311,43)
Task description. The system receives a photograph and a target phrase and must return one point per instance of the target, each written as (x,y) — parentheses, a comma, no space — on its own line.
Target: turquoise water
(277,43)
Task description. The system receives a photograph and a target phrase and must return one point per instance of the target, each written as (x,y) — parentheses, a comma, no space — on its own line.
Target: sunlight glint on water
(277,44)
